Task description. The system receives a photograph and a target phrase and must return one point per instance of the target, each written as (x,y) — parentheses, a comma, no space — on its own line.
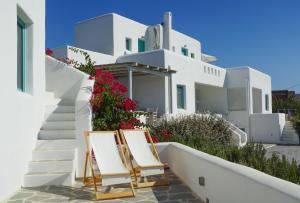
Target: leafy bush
(212,135)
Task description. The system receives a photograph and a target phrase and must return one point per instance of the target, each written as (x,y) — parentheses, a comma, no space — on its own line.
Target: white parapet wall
(66,52)
(266,128)
(225,181)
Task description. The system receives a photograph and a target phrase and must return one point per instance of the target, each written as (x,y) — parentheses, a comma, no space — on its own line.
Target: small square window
(192,55)
(184,51)
(141,45)
(128,44)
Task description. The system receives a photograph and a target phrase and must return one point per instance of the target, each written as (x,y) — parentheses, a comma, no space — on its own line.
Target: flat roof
(138,69)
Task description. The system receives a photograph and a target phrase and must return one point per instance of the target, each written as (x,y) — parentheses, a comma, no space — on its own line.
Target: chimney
(167,30)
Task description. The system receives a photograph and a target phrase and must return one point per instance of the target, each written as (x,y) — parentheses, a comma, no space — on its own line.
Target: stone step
(40,155)
(60,117)
(55,144)
(51,166)
(59,109)
(40,179)
(59,125)
(56,134)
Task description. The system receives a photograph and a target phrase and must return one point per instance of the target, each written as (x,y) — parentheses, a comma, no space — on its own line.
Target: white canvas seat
(110,161)
(145,157)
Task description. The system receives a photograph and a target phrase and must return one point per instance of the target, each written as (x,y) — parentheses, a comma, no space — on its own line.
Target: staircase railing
(239,135)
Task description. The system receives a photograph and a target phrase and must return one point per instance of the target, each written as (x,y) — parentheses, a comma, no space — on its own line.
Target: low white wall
(63,80)
(267,128)
(83,114)
(99,58)
(225,181)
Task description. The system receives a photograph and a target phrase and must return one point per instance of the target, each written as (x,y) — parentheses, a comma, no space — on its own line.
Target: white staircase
(53,157)
(289,134)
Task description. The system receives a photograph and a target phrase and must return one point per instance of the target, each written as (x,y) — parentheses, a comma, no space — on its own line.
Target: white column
(167,94)
(130,82)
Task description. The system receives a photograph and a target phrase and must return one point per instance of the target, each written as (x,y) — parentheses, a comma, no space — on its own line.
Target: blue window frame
(21,55)
(128,44)
(180,96)
(141,45)
(184,51)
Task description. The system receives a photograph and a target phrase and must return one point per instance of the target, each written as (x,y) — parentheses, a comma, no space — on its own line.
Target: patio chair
(143,158)
(111,162)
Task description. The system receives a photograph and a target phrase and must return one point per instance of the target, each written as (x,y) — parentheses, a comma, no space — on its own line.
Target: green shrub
(213,136)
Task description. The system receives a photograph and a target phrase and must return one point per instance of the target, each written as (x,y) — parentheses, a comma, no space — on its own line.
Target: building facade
(238,94)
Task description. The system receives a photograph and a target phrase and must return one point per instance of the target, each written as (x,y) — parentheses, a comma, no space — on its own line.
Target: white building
(241,95)
(45,103)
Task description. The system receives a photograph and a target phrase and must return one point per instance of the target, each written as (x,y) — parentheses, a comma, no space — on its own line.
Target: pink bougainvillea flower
(49,52)
(129,105)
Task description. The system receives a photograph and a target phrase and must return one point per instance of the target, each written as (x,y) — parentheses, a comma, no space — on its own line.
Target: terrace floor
(176,192)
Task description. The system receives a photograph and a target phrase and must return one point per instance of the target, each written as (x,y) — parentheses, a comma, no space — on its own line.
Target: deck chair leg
(93,175)
(85,167)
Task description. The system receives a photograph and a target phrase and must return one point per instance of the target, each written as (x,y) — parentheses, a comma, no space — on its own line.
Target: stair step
(59,109)
(60,117)
(50,166)
(40,179)
(55,144)
(56,134)
(39,155)
(59,125)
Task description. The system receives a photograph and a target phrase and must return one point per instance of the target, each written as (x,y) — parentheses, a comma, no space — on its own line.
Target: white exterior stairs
(289,134)
(53,157)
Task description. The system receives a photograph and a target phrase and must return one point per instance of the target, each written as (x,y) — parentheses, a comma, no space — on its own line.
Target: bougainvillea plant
(112,110)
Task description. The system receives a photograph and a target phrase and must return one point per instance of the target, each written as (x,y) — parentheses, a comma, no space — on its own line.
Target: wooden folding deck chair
(110,161)
(143,159)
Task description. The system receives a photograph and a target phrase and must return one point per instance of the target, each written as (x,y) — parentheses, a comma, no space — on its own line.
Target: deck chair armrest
(151,167)
(115,174)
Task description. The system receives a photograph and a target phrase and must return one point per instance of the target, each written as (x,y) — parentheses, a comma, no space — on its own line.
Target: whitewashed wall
(21,113)
(107,33)
(267,128)
(96,34)
(148,91)
(99,58)
(189,72)
(225,181)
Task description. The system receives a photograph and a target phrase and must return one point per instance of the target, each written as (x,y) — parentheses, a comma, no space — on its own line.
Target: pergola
(131,69)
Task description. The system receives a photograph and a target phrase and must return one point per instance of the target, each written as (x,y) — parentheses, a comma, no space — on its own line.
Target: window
(267,102)
(128,44)
(204,69)
(184,51)
(173,48)
(21,55)
(192,55)
(180,96)
(141,45)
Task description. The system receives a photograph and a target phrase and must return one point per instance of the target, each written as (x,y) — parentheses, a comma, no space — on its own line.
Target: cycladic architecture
(45,102)
(187,81)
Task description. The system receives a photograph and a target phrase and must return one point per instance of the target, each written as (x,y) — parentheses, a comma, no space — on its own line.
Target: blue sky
(264,34)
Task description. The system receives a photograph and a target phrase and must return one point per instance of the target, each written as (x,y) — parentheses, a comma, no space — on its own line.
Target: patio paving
(176,192)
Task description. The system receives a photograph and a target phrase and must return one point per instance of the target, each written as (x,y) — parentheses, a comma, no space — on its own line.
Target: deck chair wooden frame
(96,179)
(139,181)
